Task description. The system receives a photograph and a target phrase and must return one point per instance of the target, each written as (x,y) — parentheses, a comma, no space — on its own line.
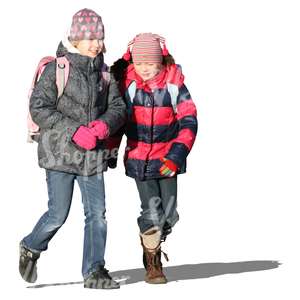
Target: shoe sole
(157,280)
(101,287)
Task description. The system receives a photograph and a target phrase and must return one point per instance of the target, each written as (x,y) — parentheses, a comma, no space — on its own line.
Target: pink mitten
(84,138)
(99,129)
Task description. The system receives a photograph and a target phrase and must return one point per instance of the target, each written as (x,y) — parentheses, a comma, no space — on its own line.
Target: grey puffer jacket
(86,97)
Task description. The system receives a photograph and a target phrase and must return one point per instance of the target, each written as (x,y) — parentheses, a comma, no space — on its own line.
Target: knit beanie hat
(86,25)
(146,47)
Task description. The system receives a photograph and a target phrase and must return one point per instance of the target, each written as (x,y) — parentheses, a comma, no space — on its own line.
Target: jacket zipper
(90,92)
(151,131)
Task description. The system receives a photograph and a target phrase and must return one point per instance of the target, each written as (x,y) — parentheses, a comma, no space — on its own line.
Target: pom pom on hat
(165,51)
(127,55)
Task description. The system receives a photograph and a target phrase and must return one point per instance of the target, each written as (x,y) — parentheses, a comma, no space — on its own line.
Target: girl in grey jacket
(71,146)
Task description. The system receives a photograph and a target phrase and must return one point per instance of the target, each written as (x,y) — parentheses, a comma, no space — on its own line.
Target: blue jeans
(60,191)
(158,203)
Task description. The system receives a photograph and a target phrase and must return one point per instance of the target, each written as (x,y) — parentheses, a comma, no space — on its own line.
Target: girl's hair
(119,66)
(168,60)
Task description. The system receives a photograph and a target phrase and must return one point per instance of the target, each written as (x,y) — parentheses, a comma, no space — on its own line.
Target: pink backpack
(62,75)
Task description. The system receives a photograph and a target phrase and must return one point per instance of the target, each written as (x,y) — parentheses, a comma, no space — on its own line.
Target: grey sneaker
(100,279)
(27,264)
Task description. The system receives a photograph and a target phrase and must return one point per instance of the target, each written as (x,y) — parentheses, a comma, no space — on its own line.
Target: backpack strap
(175,74)
(131,90)
(105,71)
(62,74)
(173,91)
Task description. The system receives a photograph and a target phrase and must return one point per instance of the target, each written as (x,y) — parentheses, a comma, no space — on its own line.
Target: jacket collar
(85,63)
(169,74)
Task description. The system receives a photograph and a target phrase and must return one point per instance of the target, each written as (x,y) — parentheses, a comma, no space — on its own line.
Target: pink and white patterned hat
(86,25)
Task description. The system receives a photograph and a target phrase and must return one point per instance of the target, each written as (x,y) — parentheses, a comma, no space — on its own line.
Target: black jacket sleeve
(115,115)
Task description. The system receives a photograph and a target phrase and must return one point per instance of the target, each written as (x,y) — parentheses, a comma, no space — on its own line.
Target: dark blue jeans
(158,203)
(60,191)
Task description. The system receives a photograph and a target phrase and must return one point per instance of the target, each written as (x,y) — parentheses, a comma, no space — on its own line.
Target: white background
(239,200)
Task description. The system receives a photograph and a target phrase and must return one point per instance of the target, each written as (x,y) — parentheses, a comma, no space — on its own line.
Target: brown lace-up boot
(151,240)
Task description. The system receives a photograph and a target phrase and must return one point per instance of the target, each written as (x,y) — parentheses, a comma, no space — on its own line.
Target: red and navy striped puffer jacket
(154,130)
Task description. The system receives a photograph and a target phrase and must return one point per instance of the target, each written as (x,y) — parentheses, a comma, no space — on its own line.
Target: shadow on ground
(186,272)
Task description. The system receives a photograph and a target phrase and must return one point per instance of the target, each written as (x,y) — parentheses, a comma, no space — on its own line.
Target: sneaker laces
(26,253)
(104,272)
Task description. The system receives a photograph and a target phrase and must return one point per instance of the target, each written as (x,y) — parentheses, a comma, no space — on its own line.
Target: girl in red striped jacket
(161,130)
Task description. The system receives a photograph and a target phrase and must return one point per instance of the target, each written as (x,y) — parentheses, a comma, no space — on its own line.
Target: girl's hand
(169,168)
(99,129)
(84,138)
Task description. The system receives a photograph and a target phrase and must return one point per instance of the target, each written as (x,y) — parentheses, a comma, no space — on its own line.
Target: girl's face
(89,48)
(147,70)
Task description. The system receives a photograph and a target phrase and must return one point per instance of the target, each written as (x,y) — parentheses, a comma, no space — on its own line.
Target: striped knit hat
(86,25)
(146,47)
